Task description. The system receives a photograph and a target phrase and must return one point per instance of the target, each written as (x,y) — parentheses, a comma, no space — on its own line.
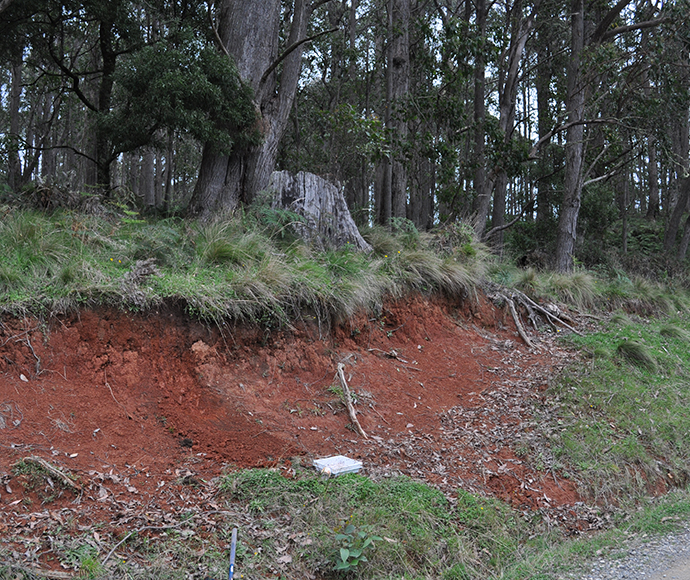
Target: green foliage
(84,558)
(181,84)
(354,545)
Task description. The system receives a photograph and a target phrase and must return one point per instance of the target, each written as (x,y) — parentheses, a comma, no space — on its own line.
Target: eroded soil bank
(137,405)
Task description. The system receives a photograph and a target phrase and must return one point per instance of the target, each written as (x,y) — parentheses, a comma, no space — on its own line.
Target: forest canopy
(559,130)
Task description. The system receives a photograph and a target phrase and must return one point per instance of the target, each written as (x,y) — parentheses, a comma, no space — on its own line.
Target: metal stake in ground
(233,546)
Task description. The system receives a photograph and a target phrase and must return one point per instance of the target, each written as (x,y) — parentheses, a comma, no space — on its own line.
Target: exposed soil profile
(133,403)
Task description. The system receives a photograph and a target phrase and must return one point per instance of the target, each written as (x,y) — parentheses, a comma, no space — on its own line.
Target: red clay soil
(132,403)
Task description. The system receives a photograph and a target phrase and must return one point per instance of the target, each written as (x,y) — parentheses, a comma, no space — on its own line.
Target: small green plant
(35,476)
(85,559)
(353,545)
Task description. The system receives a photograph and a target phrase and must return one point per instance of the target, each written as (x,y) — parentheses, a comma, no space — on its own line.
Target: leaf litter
(158,406)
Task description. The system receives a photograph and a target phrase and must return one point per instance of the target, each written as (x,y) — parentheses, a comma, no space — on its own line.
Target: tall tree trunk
(682,183)
(653,177)
(250,32)
(482,188)
(678,211)
(421,209)
(399,65)
(169,168)
(544,73)
(14,165)
(520,30)
(384,176)
(685,240)
(104,155)
(148,180)
(574,146)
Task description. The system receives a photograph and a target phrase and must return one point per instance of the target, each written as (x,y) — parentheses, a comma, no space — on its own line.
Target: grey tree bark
(575,144)
(147,179)
(326,219)
(14,166)
(653,176)
(399,65)
(250,33)
(482,188)
(544,120)
(521,27)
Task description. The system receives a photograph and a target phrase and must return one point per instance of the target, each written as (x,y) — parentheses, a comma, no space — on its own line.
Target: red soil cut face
(132,403)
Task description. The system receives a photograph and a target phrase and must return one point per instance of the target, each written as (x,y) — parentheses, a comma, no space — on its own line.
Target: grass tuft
(674,332)
(638,354)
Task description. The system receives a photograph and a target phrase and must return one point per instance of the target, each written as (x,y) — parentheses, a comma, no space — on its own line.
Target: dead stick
(548,315)
(379,414)
(348,401)
(54,471)
(521,330)
(107,384)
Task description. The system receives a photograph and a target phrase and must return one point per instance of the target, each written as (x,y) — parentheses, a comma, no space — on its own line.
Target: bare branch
(559,129)
(527,207)
(219,42)
(640,26)
(608,19)
(289,49)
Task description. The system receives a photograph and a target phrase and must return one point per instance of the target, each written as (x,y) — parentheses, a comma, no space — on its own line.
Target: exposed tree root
(551,313)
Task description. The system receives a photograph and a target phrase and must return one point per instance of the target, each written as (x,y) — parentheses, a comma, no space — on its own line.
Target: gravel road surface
(656,558)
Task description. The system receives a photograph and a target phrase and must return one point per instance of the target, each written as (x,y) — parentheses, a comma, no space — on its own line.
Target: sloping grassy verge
(247,267)
(605,291)
(619,422)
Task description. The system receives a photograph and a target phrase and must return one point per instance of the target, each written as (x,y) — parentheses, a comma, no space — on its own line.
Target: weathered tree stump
(327,220)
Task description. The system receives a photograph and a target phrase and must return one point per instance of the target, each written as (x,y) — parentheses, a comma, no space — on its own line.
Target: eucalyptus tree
(124,83)
(250,34)
(591,28)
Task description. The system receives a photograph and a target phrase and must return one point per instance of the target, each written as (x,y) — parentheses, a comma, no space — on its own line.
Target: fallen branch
(550,317)
(389,353)
(55,472)
(49,574)
(516,319)
(348,401)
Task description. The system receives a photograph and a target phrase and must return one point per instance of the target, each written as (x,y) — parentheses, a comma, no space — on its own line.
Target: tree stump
(327,220)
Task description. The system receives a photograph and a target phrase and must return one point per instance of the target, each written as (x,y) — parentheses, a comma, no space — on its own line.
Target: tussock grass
(675,332)
(637,354)
(593,291)
(618,424)
(578,288)
(248,267)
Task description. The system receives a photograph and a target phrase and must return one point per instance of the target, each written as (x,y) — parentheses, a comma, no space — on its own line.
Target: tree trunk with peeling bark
(250,33)
(326,220)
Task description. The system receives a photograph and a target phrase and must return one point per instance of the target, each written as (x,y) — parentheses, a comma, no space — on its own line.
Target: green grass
(423,534)
(248,267)
(619,422)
